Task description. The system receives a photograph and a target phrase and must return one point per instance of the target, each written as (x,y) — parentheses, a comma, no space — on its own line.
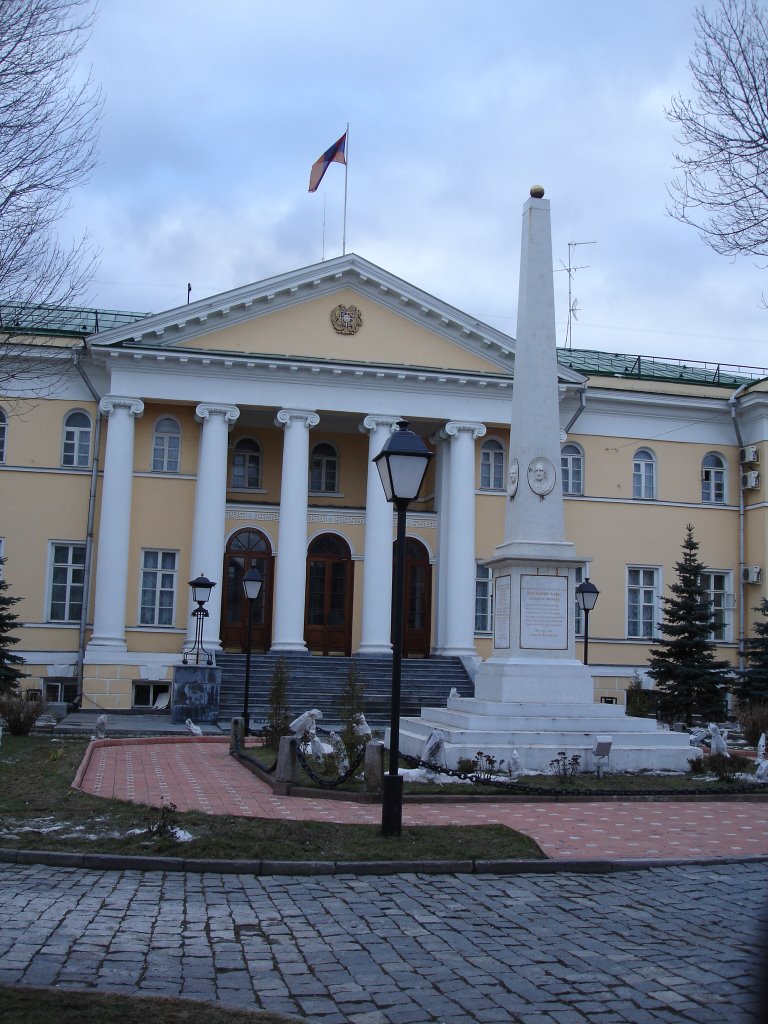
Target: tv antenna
(573,304)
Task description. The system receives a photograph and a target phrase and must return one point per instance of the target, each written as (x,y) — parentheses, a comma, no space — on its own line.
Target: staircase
(316,682)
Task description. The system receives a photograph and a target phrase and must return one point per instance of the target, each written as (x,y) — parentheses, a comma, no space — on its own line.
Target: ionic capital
(229,413)
(455,427)
(376,420)
(307,417)
(108,404)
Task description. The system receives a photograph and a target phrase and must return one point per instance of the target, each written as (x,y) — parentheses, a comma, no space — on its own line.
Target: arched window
(572,469)
(166,446)
(644,474)
(713,479)
(3,431)
(246,463)
(492,466)
(76,444)
(324,469)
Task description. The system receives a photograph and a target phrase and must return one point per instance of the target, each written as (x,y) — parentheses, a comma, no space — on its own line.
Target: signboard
(501,611)
(544,613)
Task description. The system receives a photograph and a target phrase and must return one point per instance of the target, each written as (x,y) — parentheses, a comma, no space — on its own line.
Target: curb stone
(119,862)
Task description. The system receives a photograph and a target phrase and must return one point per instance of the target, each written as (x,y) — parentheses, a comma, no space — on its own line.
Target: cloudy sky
(214,114)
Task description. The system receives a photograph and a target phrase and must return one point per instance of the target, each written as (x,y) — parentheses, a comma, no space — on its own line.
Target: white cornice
(181,325)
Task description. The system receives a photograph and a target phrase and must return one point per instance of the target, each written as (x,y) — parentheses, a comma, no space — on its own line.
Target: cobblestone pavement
(666,945)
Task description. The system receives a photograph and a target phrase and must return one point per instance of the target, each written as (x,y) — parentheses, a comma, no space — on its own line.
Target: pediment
(289,316)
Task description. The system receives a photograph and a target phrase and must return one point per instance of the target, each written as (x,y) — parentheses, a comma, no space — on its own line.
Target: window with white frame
(246,464)
(166,446)
(492,465)
(718,586)
(713,479)
(324,468)
(3,434)
(572,469)
(483,599)
(158,587)
(67,575)
(76,443)
(644,474)
(578,614)
(642,601)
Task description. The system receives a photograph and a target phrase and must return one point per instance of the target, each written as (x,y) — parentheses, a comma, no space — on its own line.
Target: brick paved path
(200,775)
(663,946)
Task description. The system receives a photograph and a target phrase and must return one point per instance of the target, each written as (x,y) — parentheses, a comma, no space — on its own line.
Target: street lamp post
(586,598)
(402,464)
(201,593)
(252,582)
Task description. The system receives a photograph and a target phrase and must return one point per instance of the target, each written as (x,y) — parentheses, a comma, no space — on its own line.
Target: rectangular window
(718,587)
(61,690)
(165,453)
(147,695)
(67,575)
(483,600)
(642,601)
(158,588)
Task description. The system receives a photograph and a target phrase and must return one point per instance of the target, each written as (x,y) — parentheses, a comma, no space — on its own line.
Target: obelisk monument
(534,568)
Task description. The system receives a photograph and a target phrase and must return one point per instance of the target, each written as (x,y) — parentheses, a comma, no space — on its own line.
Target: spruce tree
(689,679)
(9,662)
(751,686)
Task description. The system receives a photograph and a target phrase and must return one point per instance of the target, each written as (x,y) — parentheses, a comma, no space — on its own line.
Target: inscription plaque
(501,611)
(544,613)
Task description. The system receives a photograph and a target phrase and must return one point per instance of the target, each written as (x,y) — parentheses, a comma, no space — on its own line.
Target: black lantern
(201,593)
(402,464)
(252,584)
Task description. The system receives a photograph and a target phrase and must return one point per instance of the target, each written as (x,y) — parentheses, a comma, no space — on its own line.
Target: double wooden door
(246,549)
(330,576)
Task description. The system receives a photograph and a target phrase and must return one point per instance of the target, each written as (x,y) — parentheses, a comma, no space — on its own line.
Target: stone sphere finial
(537,191)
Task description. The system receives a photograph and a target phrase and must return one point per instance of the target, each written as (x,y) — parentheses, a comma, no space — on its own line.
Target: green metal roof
(61,321)
(690,371)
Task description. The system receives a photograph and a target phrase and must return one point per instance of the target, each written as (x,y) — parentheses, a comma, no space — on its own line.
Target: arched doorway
(246,548)
(417,613)
(328,617)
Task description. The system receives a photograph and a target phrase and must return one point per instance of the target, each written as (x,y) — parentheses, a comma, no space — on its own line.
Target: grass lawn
(41,1006)
(40,811)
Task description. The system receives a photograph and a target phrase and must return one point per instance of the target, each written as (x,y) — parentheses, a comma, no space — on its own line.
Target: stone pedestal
(195,693)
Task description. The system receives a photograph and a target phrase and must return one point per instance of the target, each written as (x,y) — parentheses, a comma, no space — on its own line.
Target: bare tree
(722,186)
(49,116)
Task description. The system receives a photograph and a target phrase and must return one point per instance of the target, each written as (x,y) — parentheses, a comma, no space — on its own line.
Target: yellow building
(240,429)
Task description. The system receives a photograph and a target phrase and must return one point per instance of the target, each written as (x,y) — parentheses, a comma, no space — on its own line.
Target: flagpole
(346,173)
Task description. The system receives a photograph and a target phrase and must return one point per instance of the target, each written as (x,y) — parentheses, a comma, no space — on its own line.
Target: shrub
(279,718)
(564,768)
(19,713)
(753,719)
(352,704)
(726,768)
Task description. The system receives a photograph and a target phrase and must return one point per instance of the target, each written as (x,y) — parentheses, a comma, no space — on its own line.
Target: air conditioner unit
(752,574)
(750,481)
(749,453)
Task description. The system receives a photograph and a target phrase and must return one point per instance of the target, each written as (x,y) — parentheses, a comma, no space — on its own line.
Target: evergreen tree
(689,679)
(9,672)
(751,686)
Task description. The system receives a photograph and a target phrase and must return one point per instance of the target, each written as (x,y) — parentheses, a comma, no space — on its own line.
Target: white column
(207,556)
(291,565)
(460,585)
(115,523)
(443,509)
(377,577)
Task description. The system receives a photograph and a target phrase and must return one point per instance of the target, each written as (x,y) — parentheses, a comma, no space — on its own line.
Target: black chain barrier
(320,780)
